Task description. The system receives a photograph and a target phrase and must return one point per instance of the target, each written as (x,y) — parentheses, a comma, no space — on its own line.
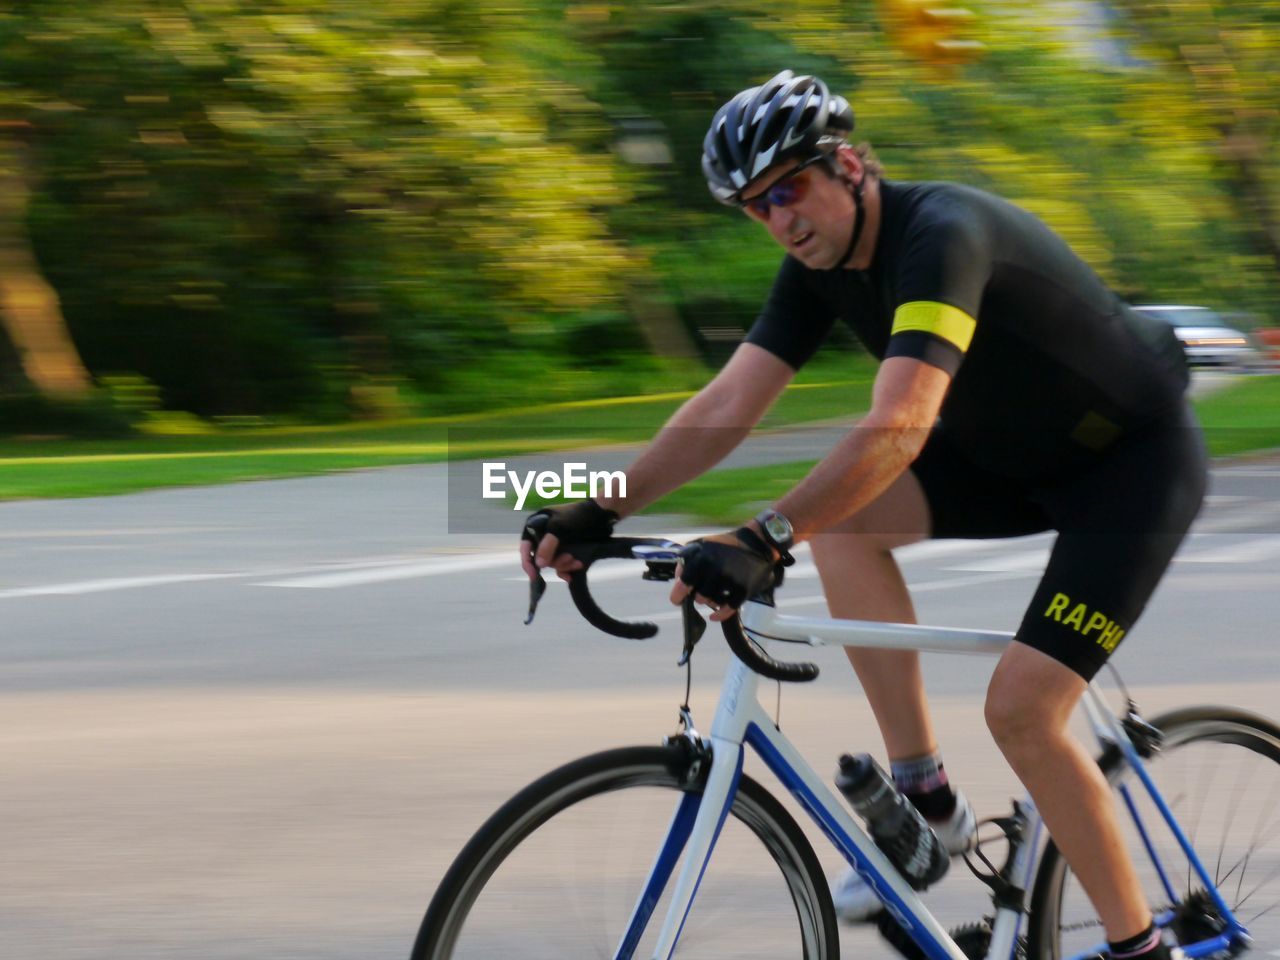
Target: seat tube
(717,799)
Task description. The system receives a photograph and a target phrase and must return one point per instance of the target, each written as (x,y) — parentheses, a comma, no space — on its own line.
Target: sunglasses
(783,192)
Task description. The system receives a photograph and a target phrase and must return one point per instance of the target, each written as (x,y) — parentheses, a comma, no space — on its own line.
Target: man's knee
(1010,718)
(1030,697)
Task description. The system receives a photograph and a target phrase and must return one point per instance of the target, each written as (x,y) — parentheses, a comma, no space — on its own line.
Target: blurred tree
(934,31)
(29,310)
(247,199)
(286,205)
(1229,54)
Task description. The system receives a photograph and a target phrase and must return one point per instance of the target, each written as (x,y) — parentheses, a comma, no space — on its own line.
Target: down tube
(838,825)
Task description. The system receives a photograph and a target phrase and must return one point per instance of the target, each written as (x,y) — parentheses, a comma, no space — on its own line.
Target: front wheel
(1219,772)
(563,870)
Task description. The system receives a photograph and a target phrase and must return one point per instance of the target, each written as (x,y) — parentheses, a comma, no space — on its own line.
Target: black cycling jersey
(1065,411)
(1048,363)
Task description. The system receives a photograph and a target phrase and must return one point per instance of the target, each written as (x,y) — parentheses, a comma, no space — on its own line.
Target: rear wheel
(558,870)
(1219,771)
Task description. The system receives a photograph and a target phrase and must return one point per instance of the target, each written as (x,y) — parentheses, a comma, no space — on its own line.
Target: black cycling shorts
(1119,517)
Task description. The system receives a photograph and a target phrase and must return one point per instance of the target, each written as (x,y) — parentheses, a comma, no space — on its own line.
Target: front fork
(696,824)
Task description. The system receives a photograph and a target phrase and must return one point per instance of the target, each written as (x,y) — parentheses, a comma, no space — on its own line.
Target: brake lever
(694,628)
(537,587)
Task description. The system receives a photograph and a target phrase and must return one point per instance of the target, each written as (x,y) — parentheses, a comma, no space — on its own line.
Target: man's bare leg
(1029,704)
(862,581)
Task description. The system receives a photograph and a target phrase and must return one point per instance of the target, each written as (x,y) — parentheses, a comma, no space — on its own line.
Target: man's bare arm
(706,429)
(905,403)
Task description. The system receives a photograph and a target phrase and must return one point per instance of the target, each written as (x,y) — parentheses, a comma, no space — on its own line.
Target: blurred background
(219,214)
(264,239)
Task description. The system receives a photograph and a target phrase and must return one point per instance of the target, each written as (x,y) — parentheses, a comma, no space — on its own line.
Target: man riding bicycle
(1016,394)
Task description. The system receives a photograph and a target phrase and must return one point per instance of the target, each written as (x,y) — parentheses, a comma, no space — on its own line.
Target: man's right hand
(583,521)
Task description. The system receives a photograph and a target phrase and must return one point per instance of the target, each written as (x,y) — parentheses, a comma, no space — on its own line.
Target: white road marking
(114,583)
(1253,515)
(929,549)
(955,582)
(952,583)
(1249,472)
(401,571)
(1201,548)
(1253,550)
(90,532)
(1023,560)
(364,567)
(805,569)
(627,571)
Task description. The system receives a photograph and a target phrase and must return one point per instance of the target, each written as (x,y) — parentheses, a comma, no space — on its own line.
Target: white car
(1205,336)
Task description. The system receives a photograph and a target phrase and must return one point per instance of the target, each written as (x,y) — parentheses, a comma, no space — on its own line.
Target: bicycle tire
(667,768)
(1188,735)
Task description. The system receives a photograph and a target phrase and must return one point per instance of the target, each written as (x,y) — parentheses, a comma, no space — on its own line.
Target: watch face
(779,528)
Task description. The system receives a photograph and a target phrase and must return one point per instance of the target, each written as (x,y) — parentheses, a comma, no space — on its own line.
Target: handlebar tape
(761,662)
(589,553)
(590,610)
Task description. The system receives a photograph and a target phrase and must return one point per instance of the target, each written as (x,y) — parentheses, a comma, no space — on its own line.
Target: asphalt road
(258,721)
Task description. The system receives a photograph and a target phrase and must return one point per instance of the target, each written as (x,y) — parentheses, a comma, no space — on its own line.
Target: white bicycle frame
(741,721)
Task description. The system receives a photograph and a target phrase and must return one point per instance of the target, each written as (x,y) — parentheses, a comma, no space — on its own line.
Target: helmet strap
(859,221)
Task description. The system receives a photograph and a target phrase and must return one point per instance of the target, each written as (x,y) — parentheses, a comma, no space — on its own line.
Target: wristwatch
(777,531)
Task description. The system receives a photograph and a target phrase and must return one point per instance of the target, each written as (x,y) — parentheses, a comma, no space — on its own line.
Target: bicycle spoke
(1236,796)
(1272,876)
(1205,780)
(1262,830)
(1243,863)
(1256,916)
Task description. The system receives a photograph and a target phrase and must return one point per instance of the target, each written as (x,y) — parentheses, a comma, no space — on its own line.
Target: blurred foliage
(328,209)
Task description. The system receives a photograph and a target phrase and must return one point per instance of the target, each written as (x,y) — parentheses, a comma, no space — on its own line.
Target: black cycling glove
(728,574)
(583,521)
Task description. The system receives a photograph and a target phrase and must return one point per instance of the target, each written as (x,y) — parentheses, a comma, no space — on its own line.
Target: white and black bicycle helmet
(787,117)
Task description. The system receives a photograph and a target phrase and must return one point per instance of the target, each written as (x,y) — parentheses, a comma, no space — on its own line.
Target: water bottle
(896,826)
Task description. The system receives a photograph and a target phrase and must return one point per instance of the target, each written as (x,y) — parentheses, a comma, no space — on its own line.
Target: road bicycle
(671,850)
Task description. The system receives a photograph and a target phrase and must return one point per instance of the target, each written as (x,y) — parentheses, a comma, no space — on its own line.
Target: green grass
(1242,418)
(837,386)
(731,496)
